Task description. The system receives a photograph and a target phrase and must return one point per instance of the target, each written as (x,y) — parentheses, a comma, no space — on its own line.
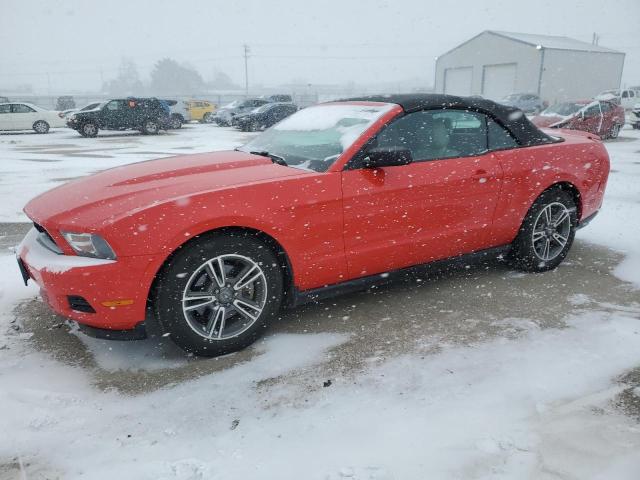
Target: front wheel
(615,131)
(150,127)
(41,126)
(89,130)
(547,232)
(218,294)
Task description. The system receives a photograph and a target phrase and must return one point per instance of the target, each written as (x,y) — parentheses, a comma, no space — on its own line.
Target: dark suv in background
(265,116)
(148,115)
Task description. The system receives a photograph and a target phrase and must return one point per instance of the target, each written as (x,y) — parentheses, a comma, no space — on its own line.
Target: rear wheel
(41,126)
(150,127)
(218,294)
(547,232)
(89,130)
(208,117)
(175,122)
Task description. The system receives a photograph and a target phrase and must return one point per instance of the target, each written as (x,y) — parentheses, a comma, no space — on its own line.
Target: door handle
(481,175)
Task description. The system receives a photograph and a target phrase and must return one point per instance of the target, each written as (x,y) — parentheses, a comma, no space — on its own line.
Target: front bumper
(634,117)
(65,278)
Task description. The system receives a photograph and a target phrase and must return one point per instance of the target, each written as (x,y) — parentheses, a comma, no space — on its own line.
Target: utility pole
(246,69)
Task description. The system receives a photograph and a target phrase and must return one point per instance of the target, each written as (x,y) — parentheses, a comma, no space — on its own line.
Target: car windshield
(314,138)
(262,108)
(233,104)
(562,109)
(514,96)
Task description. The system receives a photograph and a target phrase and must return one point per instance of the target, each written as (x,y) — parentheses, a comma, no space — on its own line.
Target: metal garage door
(457,81)
(499,80)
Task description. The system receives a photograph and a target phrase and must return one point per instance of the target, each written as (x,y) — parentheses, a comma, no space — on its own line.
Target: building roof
(511,118)
(553,42)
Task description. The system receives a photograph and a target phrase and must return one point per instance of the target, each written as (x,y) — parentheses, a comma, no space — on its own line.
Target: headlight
(89,245)
(73,116)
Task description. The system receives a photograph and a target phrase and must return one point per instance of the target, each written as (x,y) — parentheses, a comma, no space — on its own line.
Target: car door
(6,122)
(439,206)
(114,114)
(608,118)
(23,116)
(589,119)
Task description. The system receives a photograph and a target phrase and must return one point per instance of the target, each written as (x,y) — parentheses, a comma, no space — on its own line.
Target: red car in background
(335,197)
(600,117)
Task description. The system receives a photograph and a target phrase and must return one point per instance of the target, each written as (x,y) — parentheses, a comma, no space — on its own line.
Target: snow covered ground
(487,374)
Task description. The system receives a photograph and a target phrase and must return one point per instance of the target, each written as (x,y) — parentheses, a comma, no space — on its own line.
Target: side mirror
(380,157)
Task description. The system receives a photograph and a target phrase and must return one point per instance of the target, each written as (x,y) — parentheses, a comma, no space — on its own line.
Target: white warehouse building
(495,64)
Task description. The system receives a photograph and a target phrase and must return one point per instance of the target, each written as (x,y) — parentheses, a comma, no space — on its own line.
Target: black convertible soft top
(513,119)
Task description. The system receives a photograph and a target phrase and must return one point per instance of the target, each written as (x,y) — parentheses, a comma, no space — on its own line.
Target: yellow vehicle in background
(201,110)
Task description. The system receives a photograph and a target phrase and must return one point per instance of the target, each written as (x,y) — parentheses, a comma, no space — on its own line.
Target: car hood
(113,194)
(547,120)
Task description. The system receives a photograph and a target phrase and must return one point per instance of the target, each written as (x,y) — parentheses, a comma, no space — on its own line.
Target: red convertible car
(211,246)
(601,117)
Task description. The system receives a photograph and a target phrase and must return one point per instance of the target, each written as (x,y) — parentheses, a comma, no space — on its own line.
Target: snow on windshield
(315,137)
(349,120)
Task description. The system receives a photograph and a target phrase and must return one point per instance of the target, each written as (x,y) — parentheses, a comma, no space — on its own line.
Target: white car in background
(26,116)
(626,98)
(634,117)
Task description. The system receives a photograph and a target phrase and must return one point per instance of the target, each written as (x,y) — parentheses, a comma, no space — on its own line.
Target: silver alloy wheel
(89,129)
(151,127)
(551,231)
(615,131)
(224,297)
(41,127)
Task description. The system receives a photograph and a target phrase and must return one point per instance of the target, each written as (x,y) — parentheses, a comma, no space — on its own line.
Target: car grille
(47,240)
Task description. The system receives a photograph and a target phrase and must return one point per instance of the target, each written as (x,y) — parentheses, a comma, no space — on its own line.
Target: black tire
(524,255)
(208,117)
(185,268)
(89,130)
(41,127)
(150,127)
(615,131)
(175,122)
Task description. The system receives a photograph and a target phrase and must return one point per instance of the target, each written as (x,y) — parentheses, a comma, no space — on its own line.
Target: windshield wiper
(274,158)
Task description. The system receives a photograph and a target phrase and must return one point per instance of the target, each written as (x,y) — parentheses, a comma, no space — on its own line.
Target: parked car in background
(145,114)
(201,110)
(279,98)
(265,116)
(602,117)
(65,102)
(26,116)
(337,196)
(224,116)
(626,98)
(89,106)
(527,102)
(180,114)
(634,117)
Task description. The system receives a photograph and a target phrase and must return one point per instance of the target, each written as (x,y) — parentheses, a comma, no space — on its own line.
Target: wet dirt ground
(463,306)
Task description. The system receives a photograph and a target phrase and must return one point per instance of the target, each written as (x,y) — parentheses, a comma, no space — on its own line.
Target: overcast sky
(79,42)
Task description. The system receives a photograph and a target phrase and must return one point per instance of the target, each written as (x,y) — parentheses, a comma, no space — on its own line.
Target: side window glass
(5,108)
(499,138)
(625,94)
(592,111)
(20,108)
(113,105)
(437,134)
